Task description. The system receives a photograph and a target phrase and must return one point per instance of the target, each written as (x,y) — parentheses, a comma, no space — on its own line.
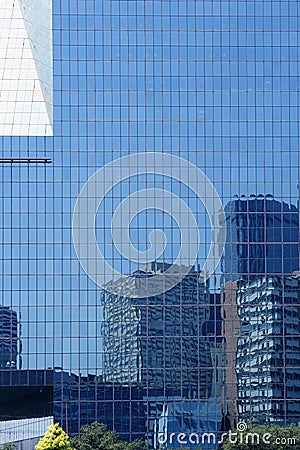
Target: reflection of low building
(268,350)
(72,400)
(81,400)
(190,424)
(10,345)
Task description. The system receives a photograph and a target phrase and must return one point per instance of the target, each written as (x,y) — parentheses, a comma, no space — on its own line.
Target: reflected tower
(262,238)
(268,357)
(260,303)
(158,341)
(10,346)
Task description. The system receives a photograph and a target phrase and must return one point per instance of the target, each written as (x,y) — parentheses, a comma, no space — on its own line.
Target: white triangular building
(26,98)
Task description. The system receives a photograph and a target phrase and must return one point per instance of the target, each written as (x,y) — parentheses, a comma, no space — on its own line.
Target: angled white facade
(26,98)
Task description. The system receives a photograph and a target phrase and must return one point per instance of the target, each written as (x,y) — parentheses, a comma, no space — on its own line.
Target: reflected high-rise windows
(10,344)
(268,359)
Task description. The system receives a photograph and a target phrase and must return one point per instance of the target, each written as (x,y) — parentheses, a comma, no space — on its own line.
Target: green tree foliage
(55,439)
(262,437)
(97,437)
(9,446)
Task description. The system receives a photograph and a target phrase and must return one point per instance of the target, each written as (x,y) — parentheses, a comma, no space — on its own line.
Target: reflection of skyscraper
(268,355)
(9,339)
(158,341)
(262,238)
(262,244)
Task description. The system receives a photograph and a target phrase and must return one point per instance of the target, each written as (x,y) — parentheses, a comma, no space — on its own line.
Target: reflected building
(262,238)
(212,328)
(194,418)
(10,344)
(79,400)
(230,331)
(161,343)
(260,310)
(268,350)
(158,341)
(72,400)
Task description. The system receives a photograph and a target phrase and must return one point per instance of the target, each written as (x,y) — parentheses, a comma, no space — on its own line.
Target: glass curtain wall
(206,84)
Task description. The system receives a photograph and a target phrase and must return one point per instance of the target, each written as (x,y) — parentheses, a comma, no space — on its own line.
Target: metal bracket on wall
(25,161)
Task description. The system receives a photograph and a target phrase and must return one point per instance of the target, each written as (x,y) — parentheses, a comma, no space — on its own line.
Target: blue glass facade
(215,83)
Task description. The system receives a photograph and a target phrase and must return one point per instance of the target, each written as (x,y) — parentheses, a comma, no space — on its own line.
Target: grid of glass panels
(216,83)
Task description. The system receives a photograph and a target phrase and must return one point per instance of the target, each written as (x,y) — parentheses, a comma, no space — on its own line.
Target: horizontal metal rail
(25,161)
